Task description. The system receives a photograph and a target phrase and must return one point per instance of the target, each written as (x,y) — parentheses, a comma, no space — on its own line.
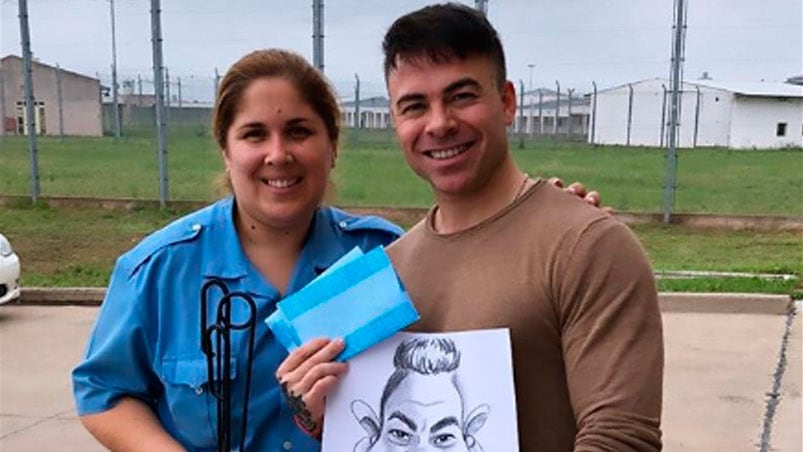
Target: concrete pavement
(719,369)
(38,348)
(720,366)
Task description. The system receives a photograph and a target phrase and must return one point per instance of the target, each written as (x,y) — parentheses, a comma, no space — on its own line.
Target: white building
(734,115)
(546,112)
(374,113)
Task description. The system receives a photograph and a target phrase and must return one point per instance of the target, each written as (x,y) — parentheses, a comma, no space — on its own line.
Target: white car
(9,272)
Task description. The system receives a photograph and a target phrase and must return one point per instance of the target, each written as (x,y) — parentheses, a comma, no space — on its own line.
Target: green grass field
(371,171)
(77,247)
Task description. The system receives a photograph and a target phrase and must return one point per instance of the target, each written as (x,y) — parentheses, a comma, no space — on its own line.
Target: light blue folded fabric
(359,298)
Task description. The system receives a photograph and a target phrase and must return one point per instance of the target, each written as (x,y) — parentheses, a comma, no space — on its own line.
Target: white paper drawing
(426,392)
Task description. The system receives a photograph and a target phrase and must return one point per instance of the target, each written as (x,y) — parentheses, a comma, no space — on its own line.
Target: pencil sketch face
(429,420)
(423,407)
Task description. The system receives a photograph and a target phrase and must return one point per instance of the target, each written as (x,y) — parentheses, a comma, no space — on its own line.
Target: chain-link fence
(588,76)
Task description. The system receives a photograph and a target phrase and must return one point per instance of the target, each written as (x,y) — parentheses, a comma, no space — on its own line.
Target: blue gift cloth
(359,298)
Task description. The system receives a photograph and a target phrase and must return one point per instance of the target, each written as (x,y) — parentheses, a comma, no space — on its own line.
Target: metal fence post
(557,112)
(696,118)
(663,115)
(33,151)
(629,111)
(521,115)
(541,111)
(594,113)
(60,100)
(676,82)
(570,91)
(161,132)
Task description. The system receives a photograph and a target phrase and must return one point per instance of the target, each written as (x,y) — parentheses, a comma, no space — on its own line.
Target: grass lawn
(69,247)
(683,248)
(77,247)
(372,172)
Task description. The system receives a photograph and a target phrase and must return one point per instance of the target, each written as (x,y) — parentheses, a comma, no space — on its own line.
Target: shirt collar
(226,259)
(322,248)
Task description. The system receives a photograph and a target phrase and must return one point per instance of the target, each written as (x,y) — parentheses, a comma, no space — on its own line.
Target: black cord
(216,345)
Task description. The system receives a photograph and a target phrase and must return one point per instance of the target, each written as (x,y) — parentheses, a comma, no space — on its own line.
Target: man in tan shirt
(500,249)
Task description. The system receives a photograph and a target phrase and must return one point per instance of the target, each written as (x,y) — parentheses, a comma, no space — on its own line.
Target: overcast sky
(573,41)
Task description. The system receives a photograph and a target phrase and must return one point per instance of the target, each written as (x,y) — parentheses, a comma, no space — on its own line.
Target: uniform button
(287,445)
(196,227)
(199,390)
(343,224)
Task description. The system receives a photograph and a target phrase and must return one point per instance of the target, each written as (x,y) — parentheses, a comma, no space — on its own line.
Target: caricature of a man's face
(424,413)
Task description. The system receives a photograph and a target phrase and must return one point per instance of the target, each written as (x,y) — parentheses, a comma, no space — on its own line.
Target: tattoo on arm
(299,409)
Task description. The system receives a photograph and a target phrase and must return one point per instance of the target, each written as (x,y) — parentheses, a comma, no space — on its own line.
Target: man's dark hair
(439,33)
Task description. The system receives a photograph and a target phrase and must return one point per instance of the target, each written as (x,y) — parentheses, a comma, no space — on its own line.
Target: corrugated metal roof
(376,101)
(36,62)
(564,103)
(760,89)
(543,91)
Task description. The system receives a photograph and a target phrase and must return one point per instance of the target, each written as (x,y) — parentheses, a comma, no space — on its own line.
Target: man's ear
(476,419)
(509,102)
(366,417)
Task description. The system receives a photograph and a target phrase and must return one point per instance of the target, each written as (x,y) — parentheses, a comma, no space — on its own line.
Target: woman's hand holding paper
(306,376)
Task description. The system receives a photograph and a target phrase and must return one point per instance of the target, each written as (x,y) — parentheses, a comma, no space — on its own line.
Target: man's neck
(458,212)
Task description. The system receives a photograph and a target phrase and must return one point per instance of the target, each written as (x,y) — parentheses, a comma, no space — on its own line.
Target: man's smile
(447,153)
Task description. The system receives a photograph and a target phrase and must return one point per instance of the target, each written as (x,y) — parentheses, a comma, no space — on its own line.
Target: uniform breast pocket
(190,406)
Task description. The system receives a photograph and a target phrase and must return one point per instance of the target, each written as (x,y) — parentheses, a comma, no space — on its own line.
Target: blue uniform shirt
(146,341)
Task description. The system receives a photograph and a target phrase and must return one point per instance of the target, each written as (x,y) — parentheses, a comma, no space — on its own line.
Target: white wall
(715,117)
(612,113)
(755,120)
(725,119)
(372,117)
(645,127)
(610,116)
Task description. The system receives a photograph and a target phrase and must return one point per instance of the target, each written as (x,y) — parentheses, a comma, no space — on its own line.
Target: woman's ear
(225,154)
(334,156)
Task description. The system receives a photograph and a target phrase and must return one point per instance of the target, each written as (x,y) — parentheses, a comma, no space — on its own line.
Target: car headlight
(5,247)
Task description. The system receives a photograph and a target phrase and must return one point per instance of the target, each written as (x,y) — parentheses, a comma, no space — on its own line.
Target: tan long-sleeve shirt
(577,292)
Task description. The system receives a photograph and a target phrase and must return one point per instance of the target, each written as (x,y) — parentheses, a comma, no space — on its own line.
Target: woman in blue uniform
(143,383)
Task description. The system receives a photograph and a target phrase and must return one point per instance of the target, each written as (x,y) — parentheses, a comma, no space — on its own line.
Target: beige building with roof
(65,102)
